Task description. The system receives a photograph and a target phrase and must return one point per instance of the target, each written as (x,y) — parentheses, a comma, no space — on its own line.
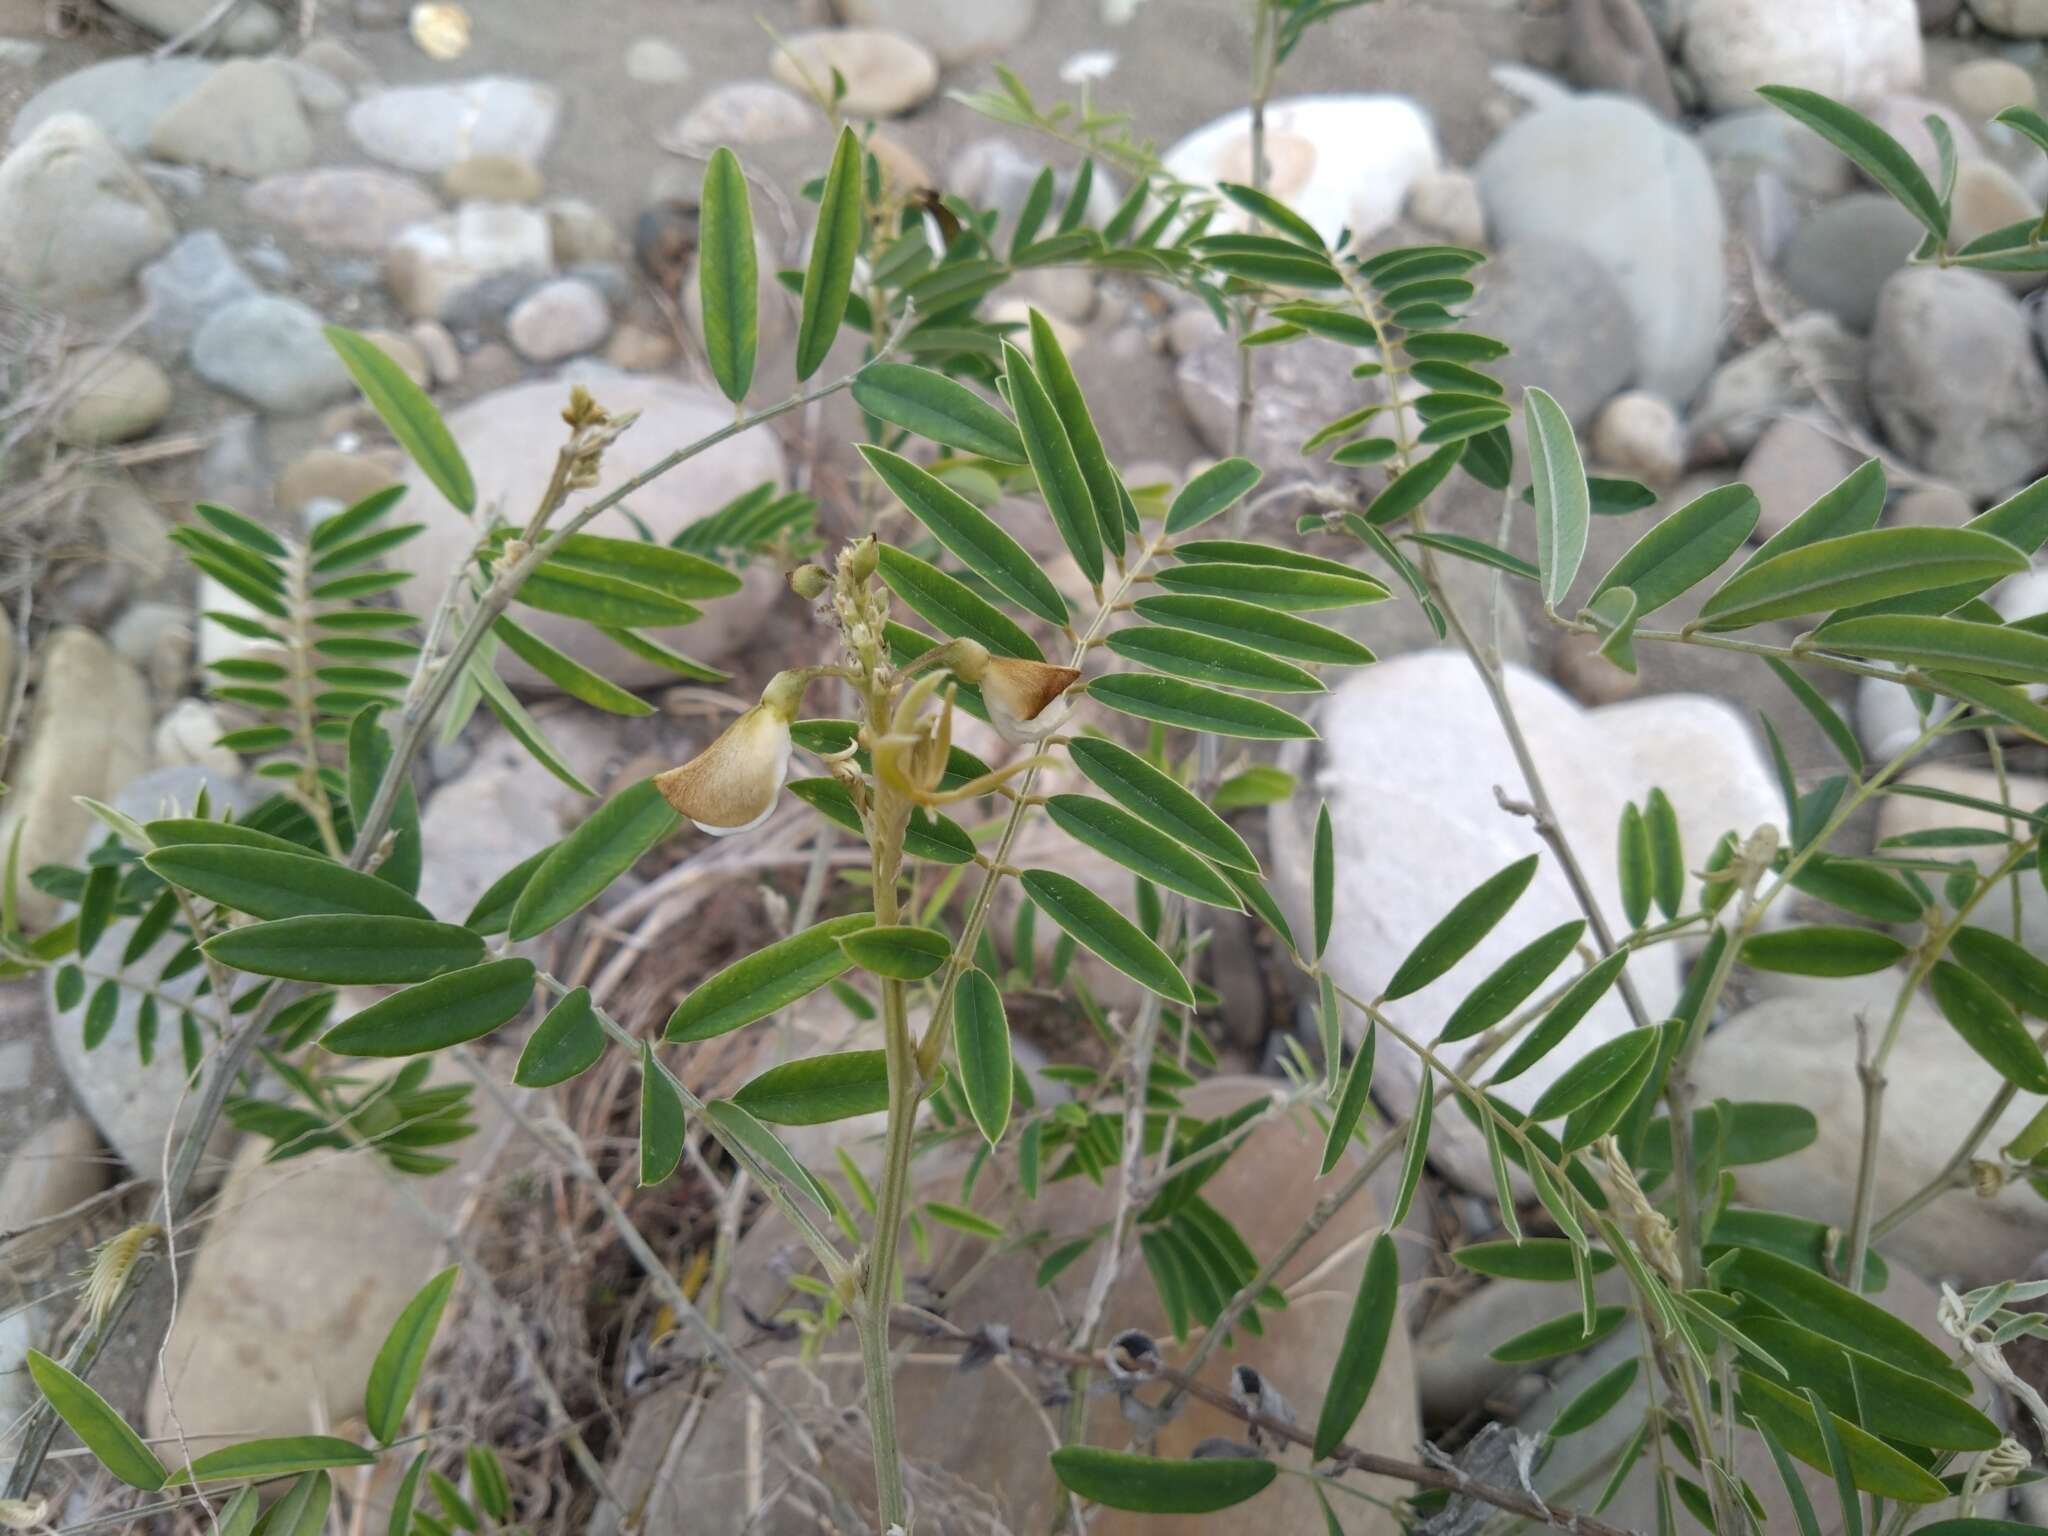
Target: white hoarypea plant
(1752,1324)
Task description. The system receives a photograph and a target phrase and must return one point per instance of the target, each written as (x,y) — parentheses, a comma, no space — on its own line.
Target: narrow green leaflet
(816,1090)
(360,951)
(1054,465)
(727,282)
(403,1355)
(1685,548)
(1563,504)
(1323,870)
(952,607)
(1255,626)
(1160,801)
(303,1509)
(1206,659)
(767,980)
(1595,1402)
(1562,1018)
(969,534)
(1461,928)
(1824,714)
(661,1120)
(1350,1099)
(1546,1259)
(938,408)
(493,909)
(1854,506)
(1365,1345)
(1175,701)
(754,1144)
(1988,1026)
(898,953)
(436,1014)
(1560,1336)
(566,1043)
(1955,645)
(1814,1301)
(283,1456)
(829,277)
(1637,873)
(1287,588)
(1593,1074)
(1214,491)
(267,884)
(104,1432)
(1144,849)
(1270,211)
(411,416)
(1154,1485)
(568,674)
(1414,485)
(1822,950)
(1512,982)
(1858,568)
(1882,158)
(1832,1443)
(2016,973)
(1099,927)
(585,863)
(1064,390)
(981,1035)
(1893,1403)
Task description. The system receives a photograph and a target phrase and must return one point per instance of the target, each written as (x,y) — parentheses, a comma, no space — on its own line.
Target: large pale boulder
(1409,761)
(1853,50)
(976,1445)
(510,438)
(76,219)
(1636,196)
(1339,161)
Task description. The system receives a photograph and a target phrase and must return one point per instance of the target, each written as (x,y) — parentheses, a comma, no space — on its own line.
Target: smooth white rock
(1339,161)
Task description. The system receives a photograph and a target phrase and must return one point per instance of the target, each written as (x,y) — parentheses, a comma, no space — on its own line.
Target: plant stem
(871,1314)
(1871,1071)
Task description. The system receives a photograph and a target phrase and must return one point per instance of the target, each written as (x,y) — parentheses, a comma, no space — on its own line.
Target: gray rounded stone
(1840,257)
(271,352)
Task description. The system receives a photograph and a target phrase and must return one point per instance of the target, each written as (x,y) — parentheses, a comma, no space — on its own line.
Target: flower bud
(732,785)
(810,582)
(862,559)
(1020,696)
